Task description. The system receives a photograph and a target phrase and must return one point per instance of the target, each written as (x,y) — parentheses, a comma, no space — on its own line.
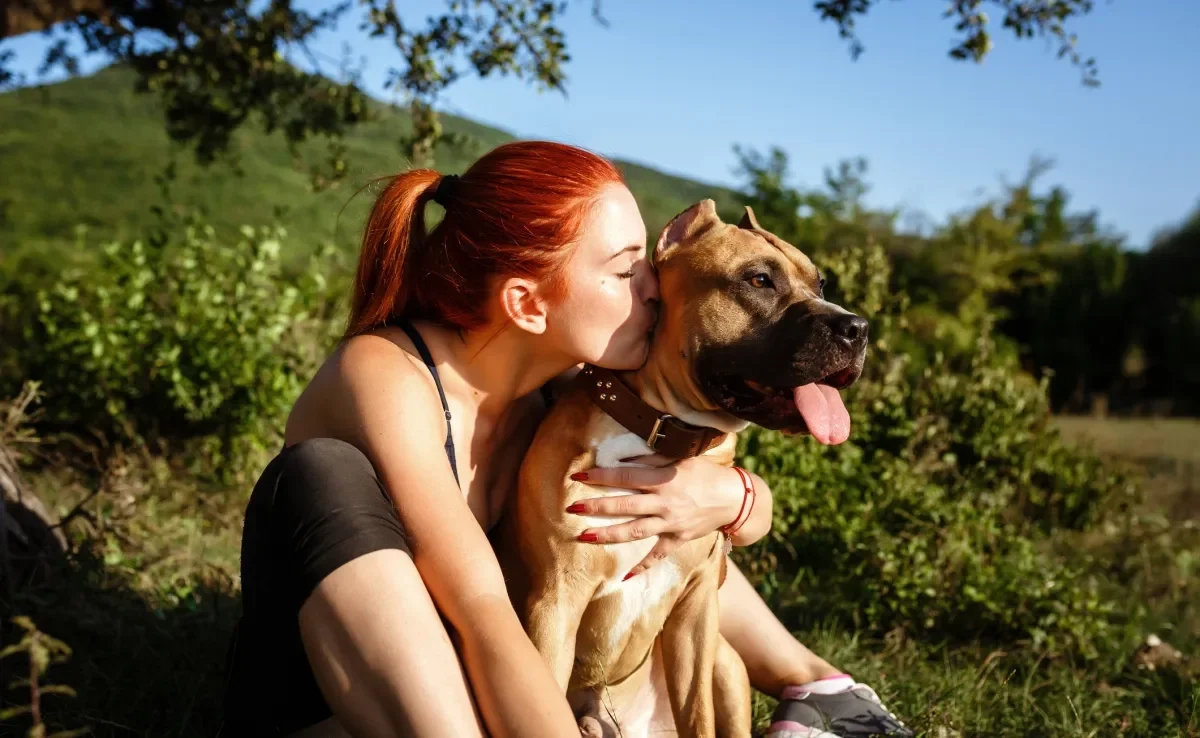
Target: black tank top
(423,350)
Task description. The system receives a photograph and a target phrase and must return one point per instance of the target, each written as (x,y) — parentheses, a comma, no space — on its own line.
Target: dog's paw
(590,727)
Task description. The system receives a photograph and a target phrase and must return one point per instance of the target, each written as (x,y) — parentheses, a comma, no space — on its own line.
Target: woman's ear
(523,304)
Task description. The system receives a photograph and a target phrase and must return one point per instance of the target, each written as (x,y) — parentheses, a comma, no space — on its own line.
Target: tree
(1167,313)
(219,64)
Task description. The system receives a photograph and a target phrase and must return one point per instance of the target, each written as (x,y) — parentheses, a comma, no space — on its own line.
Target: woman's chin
(625,359)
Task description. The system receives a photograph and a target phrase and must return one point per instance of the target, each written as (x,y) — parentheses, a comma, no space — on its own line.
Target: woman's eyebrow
(627,249)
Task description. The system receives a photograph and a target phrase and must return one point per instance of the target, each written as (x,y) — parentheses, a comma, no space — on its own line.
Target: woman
(372,601)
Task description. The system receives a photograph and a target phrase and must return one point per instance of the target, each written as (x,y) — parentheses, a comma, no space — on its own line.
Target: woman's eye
(627,275)
(761,280)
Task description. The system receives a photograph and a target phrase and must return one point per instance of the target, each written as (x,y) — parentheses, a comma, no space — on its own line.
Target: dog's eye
(821,286)
(761,280)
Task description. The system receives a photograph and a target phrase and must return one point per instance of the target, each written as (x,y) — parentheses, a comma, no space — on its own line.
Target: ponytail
(394,230)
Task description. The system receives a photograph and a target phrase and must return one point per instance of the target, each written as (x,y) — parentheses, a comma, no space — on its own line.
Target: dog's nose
(849,328)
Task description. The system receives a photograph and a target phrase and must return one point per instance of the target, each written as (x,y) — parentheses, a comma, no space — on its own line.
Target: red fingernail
(588,537)
(579,476)
(575,507)
(627,576)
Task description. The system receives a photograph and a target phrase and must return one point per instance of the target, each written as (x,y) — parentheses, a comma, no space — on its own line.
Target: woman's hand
(679,502)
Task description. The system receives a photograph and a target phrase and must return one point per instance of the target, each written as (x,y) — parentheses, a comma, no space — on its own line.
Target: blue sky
(676,83)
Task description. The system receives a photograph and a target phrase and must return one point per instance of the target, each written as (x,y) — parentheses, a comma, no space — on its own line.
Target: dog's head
(746,313)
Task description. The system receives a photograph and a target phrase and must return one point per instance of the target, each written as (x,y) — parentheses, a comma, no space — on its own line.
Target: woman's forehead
(614,224)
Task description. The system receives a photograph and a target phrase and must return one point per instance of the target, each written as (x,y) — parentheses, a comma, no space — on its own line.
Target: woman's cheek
(619,294)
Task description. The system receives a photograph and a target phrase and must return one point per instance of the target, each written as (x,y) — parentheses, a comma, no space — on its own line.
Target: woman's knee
(323,475)
(326,461)
(328,508)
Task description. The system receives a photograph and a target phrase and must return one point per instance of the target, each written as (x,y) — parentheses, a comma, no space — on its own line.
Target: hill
(88,151)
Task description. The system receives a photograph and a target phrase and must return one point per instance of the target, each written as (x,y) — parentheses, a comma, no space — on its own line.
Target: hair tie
(445,189)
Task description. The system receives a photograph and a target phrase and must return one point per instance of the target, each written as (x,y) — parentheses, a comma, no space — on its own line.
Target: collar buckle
(655,434)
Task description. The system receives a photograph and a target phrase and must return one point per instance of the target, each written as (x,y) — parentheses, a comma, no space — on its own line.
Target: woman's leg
(774,659)
(378,649)
(381,655)
(815,698)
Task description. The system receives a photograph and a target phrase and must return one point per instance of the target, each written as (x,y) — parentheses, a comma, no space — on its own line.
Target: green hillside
(88,151)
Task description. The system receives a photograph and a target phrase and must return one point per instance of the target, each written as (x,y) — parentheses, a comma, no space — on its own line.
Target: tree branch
(27,16)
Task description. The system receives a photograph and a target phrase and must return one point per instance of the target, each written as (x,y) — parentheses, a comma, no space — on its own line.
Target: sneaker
(853,712)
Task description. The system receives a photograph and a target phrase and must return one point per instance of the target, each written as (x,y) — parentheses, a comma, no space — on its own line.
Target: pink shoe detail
(791,729)
(820,686)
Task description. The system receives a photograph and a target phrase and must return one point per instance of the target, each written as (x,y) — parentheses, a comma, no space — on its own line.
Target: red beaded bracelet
(748,496)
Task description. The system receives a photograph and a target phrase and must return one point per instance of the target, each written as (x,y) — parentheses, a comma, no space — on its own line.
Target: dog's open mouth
(814,408)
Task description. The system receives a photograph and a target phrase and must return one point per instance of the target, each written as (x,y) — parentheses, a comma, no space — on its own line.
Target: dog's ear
(687,223)
(748,221)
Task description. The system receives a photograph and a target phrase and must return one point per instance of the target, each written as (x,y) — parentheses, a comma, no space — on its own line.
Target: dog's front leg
(554,611)
(689,641)
(731,693)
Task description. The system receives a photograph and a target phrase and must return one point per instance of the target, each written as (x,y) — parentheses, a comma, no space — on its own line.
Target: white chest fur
(647,589)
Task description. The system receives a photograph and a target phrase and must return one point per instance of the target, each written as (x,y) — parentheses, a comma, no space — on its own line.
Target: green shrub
(189,339)
(932,518)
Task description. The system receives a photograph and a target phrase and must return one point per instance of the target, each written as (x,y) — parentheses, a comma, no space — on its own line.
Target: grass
(1167,450)
(149,598)
(1173,439)
(146,602)
(1157,547)
(88,151)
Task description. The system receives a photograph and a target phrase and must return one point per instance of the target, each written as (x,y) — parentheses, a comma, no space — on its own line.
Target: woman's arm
(388,410)
(681,501)
(759,522)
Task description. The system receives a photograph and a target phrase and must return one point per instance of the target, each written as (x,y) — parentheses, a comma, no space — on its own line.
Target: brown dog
(744,336)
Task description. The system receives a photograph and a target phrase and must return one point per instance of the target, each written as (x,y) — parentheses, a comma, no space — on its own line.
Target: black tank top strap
(423,350)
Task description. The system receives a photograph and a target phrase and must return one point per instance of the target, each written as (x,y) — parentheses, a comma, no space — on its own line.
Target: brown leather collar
(664,433)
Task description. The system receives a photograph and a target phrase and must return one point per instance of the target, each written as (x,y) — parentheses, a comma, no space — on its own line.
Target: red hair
(514,212)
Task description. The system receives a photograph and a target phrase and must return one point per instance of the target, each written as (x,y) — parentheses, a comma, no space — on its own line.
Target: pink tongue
(824,413)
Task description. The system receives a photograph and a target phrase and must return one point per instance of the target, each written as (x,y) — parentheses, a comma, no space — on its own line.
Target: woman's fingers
(620,506)
(651,460)
(664,548)
(634,530)
(625,477)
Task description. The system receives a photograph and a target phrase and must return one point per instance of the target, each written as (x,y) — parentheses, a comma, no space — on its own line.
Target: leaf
(14,648)
(22,621)
(61,689)
(9,713)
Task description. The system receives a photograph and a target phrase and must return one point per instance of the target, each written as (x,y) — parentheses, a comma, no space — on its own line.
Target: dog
(744,336)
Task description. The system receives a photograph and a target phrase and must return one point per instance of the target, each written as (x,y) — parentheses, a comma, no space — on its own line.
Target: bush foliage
(180,339)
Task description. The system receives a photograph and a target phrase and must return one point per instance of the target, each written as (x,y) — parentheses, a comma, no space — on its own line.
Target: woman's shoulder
(386,350)
(368,383)
(382,367)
